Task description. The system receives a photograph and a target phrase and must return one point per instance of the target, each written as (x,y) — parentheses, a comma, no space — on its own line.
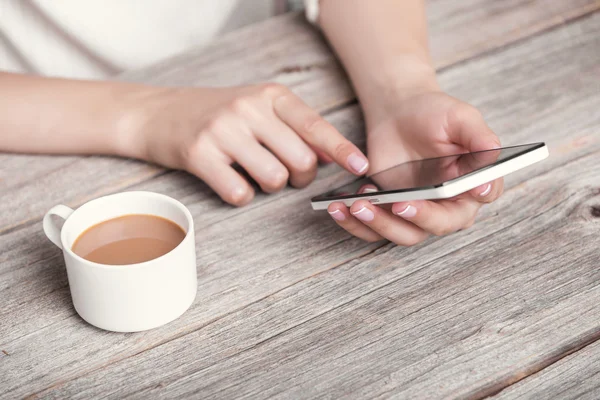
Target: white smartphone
(435,178)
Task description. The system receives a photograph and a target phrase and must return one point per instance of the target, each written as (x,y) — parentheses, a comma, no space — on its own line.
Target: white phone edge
(451,189)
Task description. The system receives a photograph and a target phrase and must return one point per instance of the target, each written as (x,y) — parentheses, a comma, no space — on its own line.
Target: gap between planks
(130,183)
(560,353)
(383,244)
(381,248)
(271,337)
(369,254)
(573,17)
(530,31)
(575,377)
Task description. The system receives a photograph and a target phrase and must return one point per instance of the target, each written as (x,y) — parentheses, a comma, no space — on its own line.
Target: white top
(94,39)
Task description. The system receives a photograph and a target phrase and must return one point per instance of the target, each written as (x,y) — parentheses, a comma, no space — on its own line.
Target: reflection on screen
(430,172)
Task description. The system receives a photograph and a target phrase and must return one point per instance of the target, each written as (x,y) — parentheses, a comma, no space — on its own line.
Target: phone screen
(428,173)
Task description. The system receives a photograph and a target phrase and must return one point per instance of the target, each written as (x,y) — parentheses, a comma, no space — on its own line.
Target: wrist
(138,107)
(399,80)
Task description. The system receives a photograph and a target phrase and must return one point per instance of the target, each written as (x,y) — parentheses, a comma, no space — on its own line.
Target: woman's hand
(266,129)
(415,126)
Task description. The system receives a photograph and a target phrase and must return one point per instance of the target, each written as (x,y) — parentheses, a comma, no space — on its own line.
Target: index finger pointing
(319,133)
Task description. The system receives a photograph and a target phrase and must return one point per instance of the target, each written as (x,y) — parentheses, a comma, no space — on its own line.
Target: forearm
(382,44)
(41,115)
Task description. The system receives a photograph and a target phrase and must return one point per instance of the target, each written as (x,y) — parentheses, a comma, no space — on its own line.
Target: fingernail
(358,163)
(408,212)
(487,190)
(337,215)
(364,214)
(369,190)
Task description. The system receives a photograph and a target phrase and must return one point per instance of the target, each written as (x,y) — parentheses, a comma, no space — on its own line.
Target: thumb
(467,128)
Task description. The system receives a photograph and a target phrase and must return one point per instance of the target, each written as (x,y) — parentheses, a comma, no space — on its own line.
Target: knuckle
(307,163)
(242,105)
(277,180)
(240,196)
(342,149)
(313,124)
(272,90)
(217,124)
(193,153)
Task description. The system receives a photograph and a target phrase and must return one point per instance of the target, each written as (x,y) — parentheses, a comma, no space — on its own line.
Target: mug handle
(50,228)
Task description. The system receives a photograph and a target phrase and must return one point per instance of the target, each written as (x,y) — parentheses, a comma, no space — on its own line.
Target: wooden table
(291,306)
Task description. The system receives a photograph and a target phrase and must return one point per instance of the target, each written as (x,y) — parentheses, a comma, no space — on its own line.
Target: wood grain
(243,273)
(296,56)
(407,322)
(65,180)
(547,111)
(576,376)
(461,29)
(34,283)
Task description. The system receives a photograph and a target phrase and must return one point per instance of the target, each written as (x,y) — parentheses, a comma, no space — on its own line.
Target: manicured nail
(487,190)
(337,215)
(367,189)
(358,163)
(364,214)
(408,212)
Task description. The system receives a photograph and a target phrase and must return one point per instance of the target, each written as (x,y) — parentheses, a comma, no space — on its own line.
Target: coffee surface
(129,239)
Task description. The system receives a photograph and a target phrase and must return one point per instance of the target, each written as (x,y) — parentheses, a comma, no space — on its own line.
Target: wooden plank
(576,376)
(471,27)
(505,113)
(235,279)
(454,326)
(458,31)
(42,166)
(284,50)
(34,289)
(66,180)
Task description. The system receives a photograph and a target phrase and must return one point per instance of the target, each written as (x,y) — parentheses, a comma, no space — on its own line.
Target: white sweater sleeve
(311,8)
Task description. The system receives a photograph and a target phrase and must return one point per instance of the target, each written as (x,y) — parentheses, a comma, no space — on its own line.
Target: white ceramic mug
(127,298)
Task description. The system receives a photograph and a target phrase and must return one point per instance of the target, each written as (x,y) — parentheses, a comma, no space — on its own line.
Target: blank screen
(429,173)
